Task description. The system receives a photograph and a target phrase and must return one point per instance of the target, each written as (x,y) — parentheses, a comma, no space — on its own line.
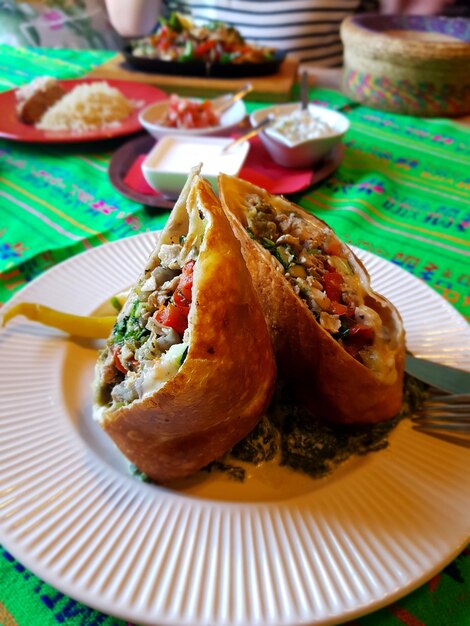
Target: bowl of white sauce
(166,166)
(300,138)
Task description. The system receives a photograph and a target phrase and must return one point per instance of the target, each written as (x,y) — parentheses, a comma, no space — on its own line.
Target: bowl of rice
(300,137)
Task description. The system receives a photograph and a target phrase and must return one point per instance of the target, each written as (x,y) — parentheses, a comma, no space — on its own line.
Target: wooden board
(273,88)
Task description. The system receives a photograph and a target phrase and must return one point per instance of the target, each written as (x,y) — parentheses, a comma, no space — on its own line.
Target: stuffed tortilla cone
(188,369)
(339,344)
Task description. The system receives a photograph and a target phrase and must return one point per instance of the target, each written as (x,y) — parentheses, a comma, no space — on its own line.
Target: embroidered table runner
(402,191)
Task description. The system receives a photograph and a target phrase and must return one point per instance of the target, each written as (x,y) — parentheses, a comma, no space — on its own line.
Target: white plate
(338,548)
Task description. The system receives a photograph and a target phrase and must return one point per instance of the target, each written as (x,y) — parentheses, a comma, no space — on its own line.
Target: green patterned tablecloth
(402,192)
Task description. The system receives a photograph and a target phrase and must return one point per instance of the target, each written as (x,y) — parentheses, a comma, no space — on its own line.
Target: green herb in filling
(119,330)
(184,355)
(129,328)
(285,256)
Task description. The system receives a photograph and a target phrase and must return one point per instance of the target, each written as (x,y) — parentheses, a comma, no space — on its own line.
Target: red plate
(125,172)
(139,93)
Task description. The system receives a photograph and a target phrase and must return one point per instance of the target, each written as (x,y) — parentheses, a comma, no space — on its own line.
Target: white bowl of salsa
(190,116)
(299,138)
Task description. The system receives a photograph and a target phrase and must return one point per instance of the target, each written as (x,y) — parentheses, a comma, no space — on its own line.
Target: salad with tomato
(178,38)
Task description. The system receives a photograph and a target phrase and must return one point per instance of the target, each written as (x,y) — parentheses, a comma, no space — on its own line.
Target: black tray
(201,68)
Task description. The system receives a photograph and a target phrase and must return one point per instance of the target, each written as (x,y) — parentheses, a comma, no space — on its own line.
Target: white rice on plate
(86,107)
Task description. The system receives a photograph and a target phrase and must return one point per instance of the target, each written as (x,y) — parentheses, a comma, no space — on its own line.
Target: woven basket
(408,64)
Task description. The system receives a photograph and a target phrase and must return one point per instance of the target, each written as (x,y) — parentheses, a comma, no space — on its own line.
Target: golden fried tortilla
(178,397)
(338,343)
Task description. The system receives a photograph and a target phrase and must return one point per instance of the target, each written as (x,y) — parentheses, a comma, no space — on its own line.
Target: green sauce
(289,436)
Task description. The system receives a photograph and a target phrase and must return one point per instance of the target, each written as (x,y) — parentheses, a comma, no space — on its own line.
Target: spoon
(304,91)
(222,103)
(266,121)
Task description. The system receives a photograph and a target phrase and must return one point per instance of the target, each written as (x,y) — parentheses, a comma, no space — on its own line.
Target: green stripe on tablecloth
(73,207)
(29,601)
(20,65)
(440,187)
(33,602)
(402,191)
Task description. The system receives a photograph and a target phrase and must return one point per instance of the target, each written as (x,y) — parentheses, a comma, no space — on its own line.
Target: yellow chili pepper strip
(76,325)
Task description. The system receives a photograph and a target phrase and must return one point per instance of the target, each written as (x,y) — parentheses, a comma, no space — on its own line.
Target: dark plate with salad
(214,50)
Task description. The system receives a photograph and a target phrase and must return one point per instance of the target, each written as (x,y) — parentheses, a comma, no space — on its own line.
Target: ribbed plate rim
(139,245)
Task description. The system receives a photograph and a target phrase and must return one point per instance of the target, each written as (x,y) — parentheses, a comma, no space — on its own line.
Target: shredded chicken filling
(150,338)
(312,259)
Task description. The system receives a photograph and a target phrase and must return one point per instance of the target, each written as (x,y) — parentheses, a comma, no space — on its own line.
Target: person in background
(307,29)
(77,24)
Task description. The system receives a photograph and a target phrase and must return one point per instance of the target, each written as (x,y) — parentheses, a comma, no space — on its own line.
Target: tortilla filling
(312,260)
(151,337)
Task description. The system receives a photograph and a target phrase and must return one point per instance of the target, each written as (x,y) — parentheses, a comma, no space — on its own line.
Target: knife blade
(443,377)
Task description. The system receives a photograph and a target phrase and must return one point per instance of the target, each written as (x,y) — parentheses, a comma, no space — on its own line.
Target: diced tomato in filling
(338,309)
(117,361)
(333,246)
(175,313)
(333,282)
(180,301)
(173,316)
(186,280)
(361,334)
